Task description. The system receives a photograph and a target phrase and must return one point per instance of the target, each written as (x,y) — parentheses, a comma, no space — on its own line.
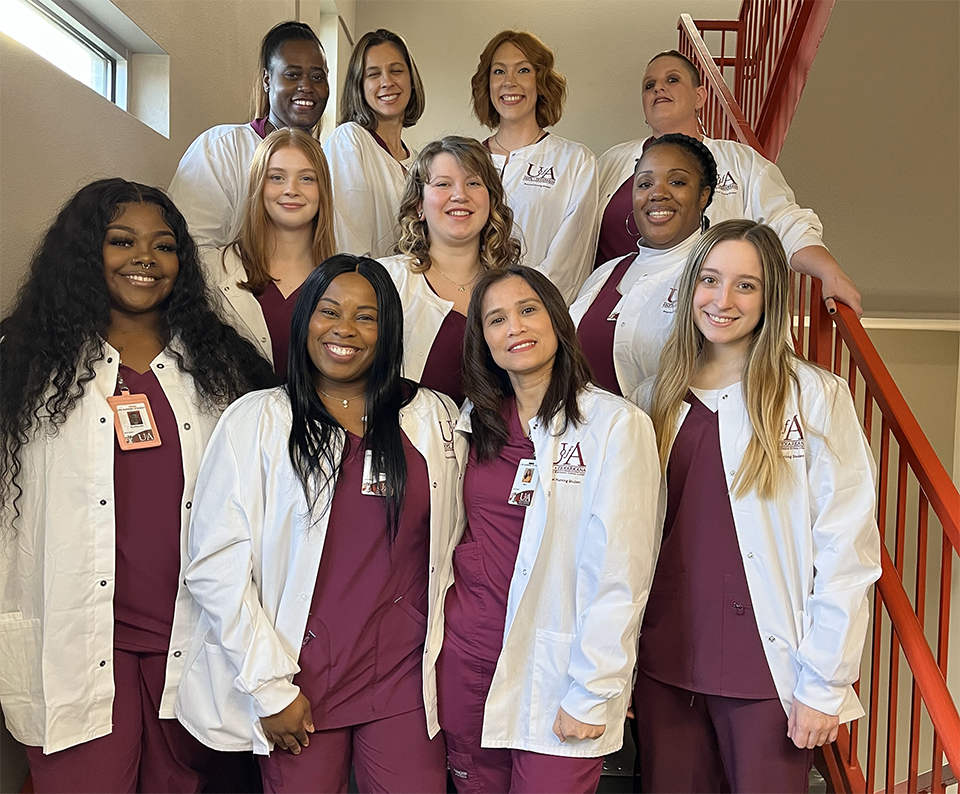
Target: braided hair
(700,153)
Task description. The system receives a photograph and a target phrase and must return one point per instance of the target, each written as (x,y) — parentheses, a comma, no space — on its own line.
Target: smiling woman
(382,95)
(343,534)
(626,309)
(285,230)
(455,224)
(108,426)
(291,91)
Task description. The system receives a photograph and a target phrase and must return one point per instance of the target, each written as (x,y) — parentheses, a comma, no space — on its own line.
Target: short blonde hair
(551,85)
(498,246)
(253,244)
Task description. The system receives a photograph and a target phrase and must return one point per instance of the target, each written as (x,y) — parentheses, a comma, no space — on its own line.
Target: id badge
(615,314)
(133,420)
(524,483)
(368,486)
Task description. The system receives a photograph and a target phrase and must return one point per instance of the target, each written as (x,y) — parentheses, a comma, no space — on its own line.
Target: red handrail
(907,462)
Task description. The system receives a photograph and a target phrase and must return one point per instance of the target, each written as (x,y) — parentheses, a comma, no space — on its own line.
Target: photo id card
(368,486)
(134,422)
(524,483)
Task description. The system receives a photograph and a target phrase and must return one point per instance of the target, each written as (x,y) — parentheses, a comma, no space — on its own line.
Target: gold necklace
(510,151)
(344,400)
(461,287)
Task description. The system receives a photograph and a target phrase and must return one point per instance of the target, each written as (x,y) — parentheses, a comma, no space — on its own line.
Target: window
(63,41)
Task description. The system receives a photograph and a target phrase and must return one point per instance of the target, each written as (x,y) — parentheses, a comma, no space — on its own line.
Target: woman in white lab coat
(455,224)
(552,572)
(115,369)
(285,232)
(382,96)
(291,91)
(320,546)
(758,612)
(749,185)
(551,182)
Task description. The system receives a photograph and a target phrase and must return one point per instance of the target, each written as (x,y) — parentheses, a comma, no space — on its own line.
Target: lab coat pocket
(20,651)
(550,682)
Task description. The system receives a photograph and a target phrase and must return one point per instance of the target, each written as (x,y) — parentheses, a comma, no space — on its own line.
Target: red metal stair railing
(912,722)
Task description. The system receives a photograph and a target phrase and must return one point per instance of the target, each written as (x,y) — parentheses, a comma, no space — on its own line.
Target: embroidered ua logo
(727,184)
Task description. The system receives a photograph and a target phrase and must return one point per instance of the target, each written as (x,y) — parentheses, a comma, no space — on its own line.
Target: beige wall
(875,149)
(602,47)
(56,135)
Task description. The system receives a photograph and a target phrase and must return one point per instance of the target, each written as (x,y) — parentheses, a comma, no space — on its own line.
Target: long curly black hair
(56,332)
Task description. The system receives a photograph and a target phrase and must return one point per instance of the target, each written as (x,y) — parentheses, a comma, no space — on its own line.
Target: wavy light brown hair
(551,85)
(487,385)
(255,244)
(769,374)
(498,246)
(355,107)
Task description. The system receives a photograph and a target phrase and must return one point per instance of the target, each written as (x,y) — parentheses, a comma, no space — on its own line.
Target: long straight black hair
(315,434)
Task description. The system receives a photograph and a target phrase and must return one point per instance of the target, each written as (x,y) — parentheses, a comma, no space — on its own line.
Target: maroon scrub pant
(463,681)
(142,753)
(393,755)
(700,744)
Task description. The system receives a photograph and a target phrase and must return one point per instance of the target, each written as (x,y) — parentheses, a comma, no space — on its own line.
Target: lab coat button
(189,505)
(420,354)
(433,568)
(524,571)
(724,397)
(733,472)
(110,359)
(103,664)
(103,502)
(771,638)
(186,425)
(159,366)
(177,654)
(434,485)
(750,555)
(103,419)
(303,596)
(263,339)
(103,582)
(623,324)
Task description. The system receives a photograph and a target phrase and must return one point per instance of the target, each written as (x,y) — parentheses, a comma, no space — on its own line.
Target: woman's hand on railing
(809,728)
(815,260)
(288,729)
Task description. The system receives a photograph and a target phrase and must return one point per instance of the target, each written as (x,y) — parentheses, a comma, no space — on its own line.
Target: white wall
(602,48)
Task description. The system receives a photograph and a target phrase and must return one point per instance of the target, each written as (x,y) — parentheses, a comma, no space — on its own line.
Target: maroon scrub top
(483,561)
(699,632)
(363,649)
(595,331)
(278,314)
(443,370)
(619,234)
(148,489)
(260,126)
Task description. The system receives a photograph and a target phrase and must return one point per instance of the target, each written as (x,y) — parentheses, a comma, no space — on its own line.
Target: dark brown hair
(551,85)
(486,384)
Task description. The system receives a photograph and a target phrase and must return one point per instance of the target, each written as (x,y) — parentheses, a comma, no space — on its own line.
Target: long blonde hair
(498,246)
(769,374)
(253,245)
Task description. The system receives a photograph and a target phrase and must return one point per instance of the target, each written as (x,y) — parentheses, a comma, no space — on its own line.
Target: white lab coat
(239,307)
(810,554)
(646,312)
(367,186)
(749,186)
(423,313)
(57,567)
(586,559)
(210,185)
(551,186)
(254,558)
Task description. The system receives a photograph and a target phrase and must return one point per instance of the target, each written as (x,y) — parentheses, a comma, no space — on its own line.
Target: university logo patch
(791,442)
(539,176)
(669,306)
(570,465)
(727,185)
(446,433)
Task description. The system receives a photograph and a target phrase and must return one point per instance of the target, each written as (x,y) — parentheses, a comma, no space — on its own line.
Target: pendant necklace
(344,400)
(459,286)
